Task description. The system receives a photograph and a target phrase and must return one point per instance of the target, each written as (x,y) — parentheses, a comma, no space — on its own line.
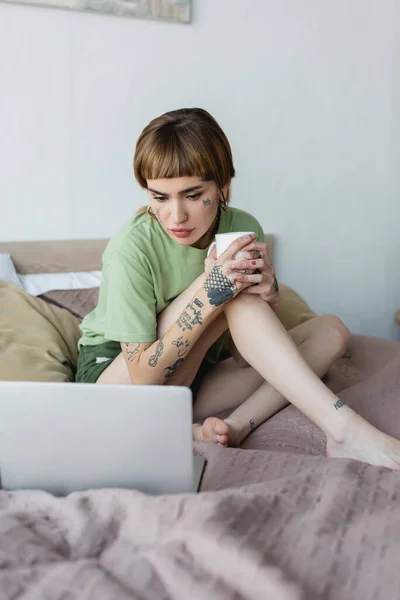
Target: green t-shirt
(143,271)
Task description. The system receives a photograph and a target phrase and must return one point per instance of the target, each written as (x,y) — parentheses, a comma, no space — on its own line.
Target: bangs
(171,156)
(183,143)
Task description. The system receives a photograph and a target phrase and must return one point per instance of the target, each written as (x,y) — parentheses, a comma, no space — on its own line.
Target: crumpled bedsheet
(276,519)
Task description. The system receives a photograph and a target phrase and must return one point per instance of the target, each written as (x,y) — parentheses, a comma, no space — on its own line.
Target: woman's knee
(337,330)
(243,302)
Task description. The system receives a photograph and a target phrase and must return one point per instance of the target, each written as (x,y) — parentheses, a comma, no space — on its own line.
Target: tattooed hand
(223,282)
(267,288)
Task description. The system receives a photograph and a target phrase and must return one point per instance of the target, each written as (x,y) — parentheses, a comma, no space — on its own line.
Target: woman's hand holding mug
(246,264)
(225,264)
(268,287)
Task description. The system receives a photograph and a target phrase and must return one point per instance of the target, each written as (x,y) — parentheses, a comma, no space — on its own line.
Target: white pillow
(7,270)
(40,283)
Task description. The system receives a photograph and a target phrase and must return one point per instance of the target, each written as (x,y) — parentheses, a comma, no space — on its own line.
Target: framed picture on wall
(165,10)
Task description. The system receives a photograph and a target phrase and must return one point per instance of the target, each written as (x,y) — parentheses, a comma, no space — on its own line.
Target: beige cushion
(38,341)
(292,309)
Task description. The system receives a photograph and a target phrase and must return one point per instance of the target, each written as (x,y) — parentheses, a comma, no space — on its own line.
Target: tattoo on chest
(172,368)
(338,404)
(219,288)
(153,360)
(182,346)
(191,316)
(132,350)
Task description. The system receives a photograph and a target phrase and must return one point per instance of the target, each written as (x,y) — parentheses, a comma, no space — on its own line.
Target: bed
(274,519)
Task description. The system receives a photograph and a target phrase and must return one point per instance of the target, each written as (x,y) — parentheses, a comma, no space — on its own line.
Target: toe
(222,439)
(197,432)
(219,426)
(214,429)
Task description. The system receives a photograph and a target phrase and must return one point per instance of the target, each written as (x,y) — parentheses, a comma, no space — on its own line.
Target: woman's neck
(209,235)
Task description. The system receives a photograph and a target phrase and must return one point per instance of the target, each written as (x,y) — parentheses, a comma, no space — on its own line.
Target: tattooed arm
(157,363)
(132,350)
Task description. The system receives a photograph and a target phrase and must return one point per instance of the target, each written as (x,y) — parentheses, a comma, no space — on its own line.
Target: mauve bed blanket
(276,519)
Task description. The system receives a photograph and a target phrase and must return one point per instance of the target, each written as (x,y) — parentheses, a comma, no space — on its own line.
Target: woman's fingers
(260,247)
(246,264)
(254,278)
(253,245)
(237,246)
(254,254)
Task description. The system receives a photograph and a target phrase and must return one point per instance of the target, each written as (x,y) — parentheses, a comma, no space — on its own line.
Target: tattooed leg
(321,341)
(251,323)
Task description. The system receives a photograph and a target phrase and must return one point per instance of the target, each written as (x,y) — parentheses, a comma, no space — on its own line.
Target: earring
(223,203)
(149,211)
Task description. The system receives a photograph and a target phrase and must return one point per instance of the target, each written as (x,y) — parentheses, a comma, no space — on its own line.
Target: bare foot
(213,430)
(217,431)
(362,441)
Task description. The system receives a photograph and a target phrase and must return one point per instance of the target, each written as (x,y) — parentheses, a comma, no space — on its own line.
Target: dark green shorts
(93,360)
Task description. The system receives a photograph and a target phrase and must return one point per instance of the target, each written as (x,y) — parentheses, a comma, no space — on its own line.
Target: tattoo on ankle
(338,404)
(132,350)
(186,320)
(153,360)
(219,288)
(182,346)
(172,368)
(252,425)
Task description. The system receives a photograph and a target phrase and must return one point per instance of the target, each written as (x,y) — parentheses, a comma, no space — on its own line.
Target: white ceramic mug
(223,240)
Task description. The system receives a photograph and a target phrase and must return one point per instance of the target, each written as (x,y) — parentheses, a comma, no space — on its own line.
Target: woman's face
(186,207)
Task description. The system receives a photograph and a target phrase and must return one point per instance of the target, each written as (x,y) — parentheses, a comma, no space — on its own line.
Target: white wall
(305,91)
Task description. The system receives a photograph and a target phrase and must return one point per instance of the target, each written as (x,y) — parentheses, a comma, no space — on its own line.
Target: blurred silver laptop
(63,437)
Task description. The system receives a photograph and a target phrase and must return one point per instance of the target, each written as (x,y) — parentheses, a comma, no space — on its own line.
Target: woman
(166,311)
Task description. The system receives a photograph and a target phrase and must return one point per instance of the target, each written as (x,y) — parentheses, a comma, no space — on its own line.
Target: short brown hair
(184,143)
